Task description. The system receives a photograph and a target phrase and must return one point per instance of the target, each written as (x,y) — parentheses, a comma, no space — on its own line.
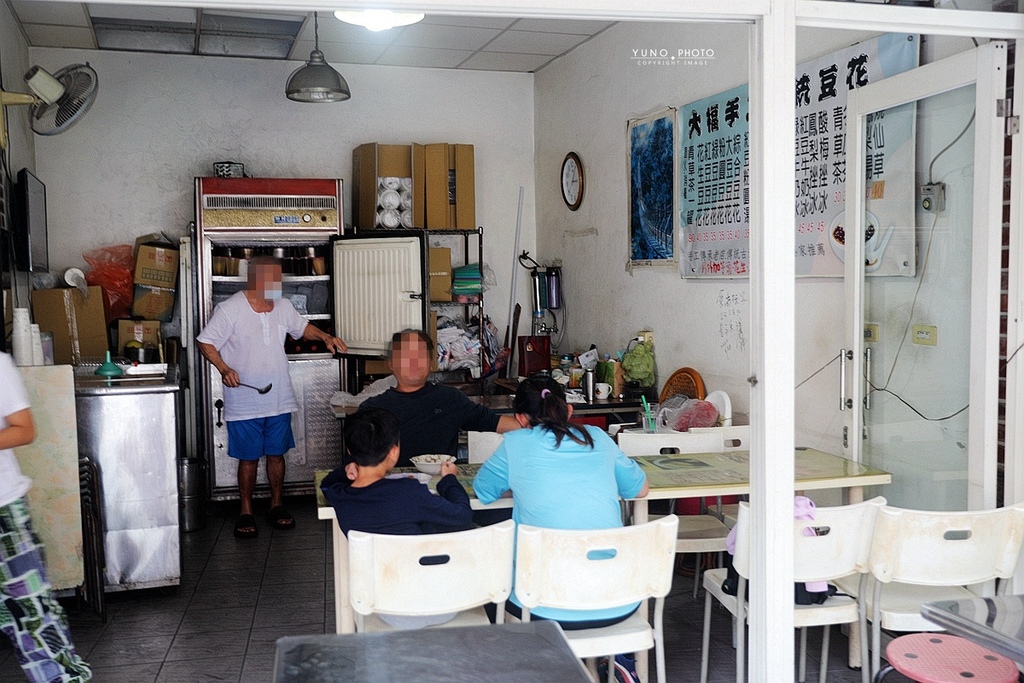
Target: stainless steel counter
(129,428)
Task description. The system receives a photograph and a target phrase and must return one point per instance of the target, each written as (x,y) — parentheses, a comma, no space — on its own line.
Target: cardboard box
(383,191)
(377,367)
(77,324)
(450,187)
(141,330)
(439,274)
(156,266)
(155,238)
(153,303)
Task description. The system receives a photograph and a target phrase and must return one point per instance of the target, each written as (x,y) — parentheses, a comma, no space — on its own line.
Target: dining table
(671,476)
(534,652)
(996,623)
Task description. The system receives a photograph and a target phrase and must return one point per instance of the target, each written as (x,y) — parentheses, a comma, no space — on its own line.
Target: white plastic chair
(567,569)
(698,534)
(840,547)
(481,445)
(430,574)
(735,438)
(921,556)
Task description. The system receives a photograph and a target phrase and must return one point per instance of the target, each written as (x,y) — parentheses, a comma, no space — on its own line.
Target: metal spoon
(258,389)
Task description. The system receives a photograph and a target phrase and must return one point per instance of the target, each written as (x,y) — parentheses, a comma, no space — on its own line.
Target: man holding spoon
(244,339)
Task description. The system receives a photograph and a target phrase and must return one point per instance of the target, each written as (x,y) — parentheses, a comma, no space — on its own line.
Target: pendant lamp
(317,81)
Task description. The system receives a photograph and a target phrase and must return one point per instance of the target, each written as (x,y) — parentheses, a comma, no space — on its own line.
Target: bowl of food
(837,232)
(431,462)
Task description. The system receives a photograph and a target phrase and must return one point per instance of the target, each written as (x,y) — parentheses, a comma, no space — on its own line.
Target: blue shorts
(252,439)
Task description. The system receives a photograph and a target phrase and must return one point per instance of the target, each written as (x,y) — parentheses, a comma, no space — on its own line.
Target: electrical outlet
(871,333)
(648,337)
(925,335)
(933,197)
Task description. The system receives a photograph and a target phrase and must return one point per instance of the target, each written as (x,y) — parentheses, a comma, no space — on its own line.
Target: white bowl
(431,462)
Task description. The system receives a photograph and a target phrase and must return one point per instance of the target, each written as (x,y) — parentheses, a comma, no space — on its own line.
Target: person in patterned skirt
(29,614)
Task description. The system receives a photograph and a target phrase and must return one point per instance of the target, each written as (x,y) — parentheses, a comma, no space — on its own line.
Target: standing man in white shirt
(29,614)
(244,340)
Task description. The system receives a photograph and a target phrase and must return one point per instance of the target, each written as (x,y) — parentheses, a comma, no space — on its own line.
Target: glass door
(922,234)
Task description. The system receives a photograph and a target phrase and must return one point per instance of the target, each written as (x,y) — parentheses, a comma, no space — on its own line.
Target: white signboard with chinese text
(714,166)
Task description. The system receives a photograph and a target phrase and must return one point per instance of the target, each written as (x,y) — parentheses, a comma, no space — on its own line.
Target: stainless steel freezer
(129,428)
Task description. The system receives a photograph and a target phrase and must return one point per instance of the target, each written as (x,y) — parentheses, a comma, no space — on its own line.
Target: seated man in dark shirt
(431,415)
(364,500)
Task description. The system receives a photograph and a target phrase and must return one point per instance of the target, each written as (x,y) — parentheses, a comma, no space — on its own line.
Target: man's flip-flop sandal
(245,527)
(280,519)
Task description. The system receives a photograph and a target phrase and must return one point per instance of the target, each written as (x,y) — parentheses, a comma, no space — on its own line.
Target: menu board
(714,170)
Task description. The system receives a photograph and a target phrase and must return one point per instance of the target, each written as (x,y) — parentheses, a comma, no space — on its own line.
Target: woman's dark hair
(369,434)
(542,400)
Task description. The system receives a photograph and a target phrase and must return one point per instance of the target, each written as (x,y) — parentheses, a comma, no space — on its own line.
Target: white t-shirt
(13,484)
(252,344)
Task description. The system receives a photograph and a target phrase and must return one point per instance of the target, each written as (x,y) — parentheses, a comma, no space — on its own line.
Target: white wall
(14,62)
(127,168)
(583,103)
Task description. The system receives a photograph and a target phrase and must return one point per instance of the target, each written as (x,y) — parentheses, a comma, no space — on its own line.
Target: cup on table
(602,390)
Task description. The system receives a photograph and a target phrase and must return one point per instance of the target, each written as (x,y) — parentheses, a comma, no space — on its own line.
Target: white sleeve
(293,321)
(219,329)
(13,398)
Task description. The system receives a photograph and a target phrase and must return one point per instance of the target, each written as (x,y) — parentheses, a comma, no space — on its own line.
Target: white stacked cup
(37,346)
(21,339)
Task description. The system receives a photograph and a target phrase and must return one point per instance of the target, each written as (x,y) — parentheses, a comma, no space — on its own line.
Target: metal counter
(129,428)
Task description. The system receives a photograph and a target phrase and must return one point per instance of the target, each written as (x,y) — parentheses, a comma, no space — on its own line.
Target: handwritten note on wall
(733,311)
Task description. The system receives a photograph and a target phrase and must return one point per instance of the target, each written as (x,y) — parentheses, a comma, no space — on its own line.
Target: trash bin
(192,494)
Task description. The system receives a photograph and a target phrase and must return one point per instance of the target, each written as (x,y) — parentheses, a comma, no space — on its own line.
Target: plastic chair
(840,547)
(942,658)
(481,445)
(569,569)
(698,534)
(430,574)
(922,556)
(735,438)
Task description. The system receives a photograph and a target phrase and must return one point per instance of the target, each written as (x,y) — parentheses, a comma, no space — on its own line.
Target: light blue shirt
(572,486)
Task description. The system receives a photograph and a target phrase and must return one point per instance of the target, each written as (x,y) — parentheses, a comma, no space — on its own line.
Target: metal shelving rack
(467,306)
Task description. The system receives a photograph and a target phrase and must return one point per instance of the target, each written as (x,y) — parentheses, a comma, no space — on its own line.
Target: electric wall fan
(57,101)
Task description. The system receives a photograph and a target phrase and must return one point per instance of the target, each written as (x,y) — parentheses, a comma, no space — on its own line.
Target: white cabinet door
(378,289)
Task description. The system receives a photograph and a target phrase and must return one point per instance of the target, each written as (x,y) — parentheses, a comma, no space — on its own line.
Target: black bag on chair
(802,596)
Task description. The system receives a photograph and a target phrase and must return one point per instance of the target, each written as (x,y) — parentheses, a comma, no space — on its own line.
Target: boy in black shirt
(365,500)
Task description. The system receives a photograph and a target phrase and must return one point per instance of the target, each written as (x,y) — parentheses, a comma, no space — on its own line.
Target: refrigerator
(360,287)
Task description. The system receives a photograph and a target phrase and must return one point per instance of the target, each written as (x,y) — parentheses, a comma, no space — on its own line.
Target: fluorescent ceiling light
(379,19)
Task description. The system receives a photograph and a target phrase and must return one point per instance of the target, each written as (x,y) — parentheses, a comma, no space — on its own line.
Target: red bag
(112,269)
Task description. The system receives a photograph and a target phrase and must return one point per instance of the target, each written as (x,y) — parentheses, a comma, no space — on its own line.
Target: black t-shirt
(398,506)
(431,418)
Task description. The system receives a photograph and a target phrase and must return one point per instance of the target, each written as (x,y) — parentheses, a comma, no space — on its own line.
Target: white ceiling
(450,42)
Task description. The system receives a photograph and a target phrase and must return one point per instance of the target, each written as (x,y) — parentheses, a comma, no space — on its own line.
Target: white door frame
(771,77)
(984,66)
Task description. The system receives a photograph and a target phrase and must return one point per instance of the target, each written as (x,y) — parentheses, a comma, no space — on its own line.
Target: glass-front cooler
(292,220)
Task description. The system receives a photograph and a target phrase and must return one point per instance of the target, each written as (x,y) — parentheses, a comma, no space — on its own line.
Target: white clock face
(571,181)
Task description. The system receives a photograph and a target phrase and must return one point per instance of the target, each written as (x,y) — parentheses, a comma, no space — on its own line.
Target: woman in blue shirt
(563,476)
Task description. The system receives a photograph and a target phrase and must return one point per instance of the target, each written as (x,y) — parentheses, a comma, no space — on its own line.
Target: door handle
(844,402)
(867,378)
(219,405)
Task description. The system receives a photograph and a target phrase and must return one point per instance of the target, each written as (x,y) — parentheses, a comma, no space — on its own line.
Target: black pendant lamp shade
(317,81)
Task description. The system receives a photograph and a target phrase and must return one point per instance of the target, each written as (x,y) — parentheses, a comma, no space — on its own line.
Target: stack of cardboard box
(414,186)
(156,276)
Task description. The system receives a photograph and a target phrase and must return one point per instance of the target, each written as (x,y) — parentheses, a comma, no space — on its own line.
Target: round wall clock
(572,181)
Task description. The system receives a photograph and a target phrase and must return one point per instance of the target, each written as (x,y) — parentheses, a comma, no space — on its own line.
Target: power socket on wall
(647,337)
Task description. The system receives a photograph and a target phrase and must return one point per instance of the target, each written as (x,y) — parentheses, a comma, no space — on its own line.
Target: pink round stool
(942,658)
